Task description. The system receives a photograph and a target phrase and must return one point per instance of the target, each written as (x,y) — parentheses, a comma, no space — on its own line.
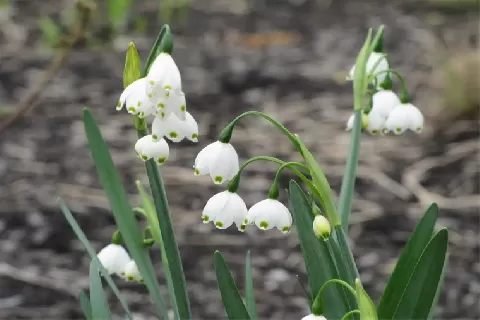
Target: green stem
(168,236)
(348,181)
(350,313)
(234,183)
(226,133)
(392,71)
(340,282)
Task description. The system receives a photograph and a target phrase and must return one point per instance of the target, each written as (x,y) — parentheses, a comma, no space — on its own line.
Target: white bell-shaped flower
(377,62)
(131,273)
(146,149)
(173,128)
(314,317)
(270,213)
(164,83)
(218,159)
(114,258)
(224,209)
(135,98)
(403,117)
(376,122)
(384,101)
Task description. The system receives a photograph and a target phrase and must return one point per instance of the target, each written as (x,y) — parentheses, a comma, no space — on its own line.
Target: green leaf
(249,289)
(321,183)
(83,239)
(121,209)
(163,43)
(154,225)
(406,264)
(439,289)
(85,305)
(100,309)
(232,300)
(365,304)
(131,71)
(118,12)
(318,260)
(419,295)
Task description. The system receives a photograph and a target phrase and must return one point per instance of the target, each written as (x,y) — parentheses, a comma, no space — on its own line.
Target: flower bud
(321,227)
(131,73)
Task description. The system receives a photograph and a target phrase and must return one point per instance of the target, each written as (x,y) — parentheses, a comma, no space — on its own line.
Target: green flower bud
(321,227)
(131,72)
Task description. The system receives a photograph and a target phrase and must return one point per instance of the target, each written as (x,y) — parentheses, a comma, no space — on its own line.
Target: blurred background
(288,58)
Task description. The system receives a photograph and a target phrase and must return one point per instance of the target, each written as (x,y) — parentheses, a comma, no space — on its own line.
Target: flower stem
(226,133)
(350,313)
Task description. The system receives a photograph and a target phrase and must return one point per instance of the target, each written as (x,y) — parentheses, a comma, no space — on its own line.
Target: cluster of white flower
(116,260)
(220,161)
(160,94)
(388,112)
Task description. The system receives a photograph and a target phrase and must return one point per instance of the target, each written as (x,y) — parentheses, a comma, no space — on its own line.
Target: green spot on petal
(173,134)
(183,107)
(219,224)
(263,225)
(195,136)
(151,82)
(154,137)
(218,179)
(144,157)
(205,219)
(161,160)
(197,172)
(285,229)
(160,105)
(243,227)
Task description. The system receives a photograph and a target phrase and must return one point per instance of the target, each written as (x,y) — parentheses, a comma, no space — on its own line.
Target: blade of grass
(365,304)
(85,305)
(121,209)
(91,252)
(232,300)
(100,309)
(249,289)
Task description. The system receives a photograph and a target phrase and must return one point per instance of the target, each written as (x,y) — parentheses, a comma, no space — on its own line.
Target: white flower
(314,317)
(114,258)
(372,67)
(146,149)
(376,122)
(134,97)
(351,119)
(404,116)
(218,159)
(384,101)
(173,128)
(270,213)
(224,209)
(131,273)
(164,86)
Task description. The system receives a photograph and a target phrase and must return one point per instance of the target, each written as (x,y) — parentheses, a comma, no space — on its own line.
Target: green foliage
(232,300)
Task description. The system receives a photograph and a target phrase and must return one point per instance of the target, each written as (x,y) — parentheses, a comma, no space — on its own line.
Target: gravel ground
(285,58)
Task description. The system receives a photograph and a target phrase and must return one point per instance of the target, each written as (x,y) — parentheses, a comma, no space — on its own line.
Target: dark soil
(284,58)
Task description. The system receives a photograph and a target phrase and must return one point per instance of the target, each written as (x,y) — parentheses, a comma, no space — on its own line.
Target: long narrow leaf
(121,209)
(91,252)
(419,295)
(409,258)
(365,304)
(249,289)
(318,261)
(439,289)
(85,305)
(346,256)
(100,309)
(232,300)
(320,181)
(152,220)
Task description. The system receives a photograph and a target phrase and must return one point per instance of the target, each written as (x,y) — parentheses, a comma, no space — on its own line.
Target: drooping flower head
(146,148)
(403,117)
(131,273)
(218,159)
(114,258)
(270,213)
(135,99)
(224,209)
